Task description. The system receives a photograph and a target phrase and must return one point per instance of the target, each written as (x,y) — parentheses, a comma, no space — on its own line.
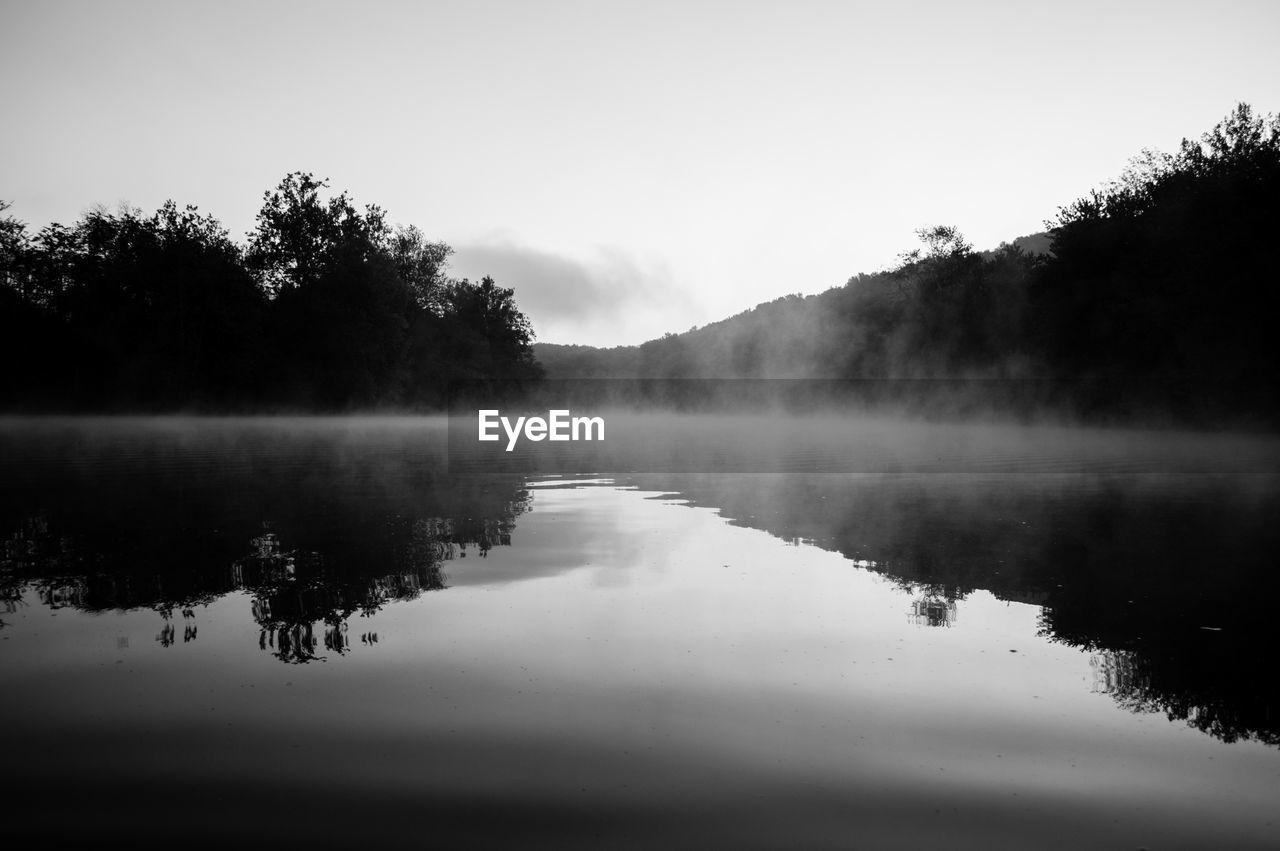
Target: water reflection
(315,524)
(933,608)
(622,662)
(169,632)
(1149,573)
(294,592)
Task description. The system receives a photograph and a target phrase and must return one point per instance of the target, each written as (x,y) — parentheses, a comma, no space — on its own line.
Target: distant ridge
(562,361)
(1150,299)
(1036,244)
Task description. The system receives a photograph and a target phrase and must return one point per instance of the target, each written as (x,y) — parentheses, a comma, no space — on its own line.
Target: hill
(1153,293)
(783,338)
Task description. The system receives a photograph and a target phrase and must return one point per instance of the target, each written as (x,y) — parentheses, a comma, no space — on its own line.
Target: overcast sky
(628,168)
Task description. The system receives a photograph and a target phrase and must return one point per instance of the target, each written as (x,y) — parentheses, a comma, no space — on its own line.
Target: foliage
(947,311)
(324,308)
(1154,295)
(1165,275)
(299,234)
(421,265)
(1153,298)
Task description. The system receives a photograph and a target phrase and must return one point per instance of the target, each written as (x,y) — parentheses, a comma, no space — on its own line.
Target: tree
(326,308)
(941,242)
(14,245)
(341,341)
(205,311)
(421,264)
(298,232)
(497,338)
(480,335)
(1164,276)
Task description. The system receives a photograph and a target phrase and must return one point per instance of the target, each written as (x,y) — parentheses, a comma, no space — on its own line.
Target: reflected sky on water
(219,629)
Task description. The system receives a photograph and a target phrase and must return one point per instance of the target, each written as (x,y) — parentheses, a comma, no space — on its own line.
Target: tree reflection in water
(935,607)
(294,591)
(302,599)
(1145,573)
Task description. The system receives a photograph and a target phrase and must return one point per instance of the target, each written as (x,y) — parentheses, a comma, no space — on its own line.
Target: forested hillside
(1154,292)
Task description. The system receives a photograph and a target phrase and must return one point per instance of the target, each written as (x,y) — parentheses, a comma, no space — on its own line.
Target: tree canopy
(325,307)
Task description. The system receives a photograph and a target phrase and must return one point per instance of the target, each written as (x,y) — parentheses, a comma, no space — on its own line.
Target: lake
(318,631)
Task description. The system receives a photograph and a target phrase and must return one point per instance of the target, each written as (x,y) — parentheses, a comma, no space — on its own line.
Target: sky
(628,168)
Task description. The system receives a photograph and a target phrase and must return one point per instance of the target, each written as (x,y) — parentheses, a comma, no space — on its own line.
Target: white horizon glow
(628,168)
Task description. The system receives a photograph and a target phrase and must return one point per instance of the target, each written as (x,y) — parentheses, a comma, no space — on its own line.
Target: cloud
(610,299)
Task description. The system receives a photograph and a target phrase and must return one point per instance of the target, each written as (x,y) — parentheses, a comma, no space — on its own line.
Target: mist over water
(852,442)
(1047,643)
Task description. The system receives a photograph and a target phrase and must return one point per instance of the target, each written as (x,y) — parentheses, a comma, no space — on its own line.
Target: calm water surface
(308,631)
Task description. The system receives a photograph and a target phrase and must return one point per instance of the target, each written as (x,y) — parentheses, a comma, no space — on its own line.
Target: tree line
(324,307)
(1154,296)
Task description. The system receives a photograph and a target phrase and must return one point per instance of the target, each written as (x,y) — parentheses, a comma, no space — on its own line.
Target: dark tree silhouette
(1151,301)
(299,234)
(421,265)
(325,308)
(1165,274)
